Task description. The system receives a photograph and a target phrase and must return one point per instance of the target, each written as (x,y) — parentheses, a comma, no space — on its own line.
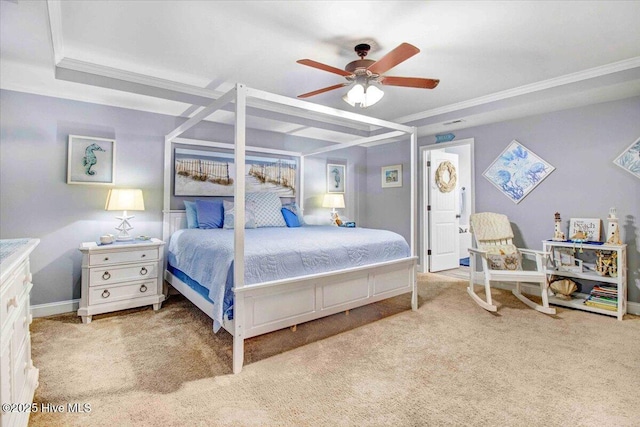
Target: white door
(443,213)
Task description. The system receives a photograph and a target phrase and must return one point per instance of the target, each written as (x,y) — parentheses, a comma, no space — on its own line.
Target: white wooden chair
(501,261)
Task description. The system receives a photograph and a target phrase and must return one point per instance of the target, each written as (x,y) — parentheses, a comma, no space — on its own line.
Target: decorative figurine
(563,288)
(613,231)
(558,235)
(579,237)
(607,263)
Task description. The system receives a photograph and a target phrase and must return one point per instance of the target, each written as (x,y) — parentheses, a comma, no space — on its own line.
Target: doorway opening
(444,216)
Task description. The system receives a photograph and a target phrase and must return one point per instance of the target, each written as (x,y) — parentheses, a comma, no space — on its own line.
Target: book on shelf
(602,306)
(605,290)
(603,300)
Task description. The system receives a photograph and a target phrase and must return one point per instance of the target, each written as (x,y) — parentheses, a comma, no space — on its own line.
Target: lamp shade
(333,201)
(120,199)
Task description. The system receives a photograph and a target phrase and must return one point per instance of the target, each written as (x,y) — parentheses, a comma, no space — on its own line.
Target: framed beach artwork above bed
(212,173)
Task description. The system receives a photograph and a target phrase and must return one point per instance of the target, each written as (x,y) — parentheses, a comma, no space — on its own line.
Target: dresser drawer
(12,290)
(5,377)
(20,367)
(21,325)
(105,276)
(107,294)
(121,256)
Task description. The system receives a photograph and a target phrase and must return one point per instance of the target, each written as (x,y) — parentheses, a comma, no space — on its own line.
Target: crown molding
(590,73)
(54,11)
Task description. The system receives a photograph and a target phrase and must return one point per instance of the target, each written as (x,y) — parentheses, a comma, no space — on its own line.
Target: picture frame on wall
(629,159)
(517,171)
(391,176)
(91,160)
(336,178)
(591,226)
(213,173)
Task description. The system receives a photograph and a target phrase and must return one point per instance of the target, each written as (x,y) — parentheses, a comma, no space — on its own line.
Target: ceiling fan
(364,72)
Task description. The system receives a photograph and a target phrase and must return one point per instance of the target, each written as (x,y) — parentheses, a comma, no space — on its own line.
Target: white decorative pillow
(267,209)
(229,215)
(502,260)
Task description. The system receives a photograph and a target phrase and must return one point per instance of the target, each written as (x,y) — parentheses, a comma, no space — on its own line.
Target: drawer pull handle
(143,288)
(143,271)
(106,258)
(106,294)
(106,275)
(13,302)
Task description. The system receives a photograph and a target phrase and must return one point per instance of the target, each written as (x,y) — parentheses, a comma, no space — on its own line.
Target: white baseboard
(53,308)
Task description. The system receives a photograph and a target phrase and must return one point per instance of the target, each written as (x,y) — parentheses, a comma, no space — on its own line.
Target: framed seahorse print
(91,160)
(335,178)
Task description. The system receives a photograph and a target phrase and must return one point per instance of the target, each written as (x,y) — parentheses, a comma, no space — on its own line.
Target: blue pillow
(192,214)
(293,207)
(210,213)
(290,218)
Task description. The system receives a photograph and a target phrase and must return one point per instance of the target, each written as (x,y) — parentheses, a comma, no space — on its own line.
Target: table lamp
(124,200)
(334,201)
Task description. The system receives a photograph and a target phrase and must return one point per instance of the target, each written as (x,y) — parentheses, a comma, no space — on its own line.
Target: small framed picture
(565,261)
(392,176)
(336,178)
(590,227)
(91,160)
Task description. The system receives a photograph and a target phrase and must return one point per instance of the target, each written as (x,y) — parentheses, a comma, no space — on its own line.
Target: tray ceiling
(495,60)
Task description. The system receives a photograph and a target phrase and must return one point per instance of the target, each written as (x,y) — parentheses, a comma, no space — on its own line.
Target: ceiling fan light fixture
(372,95)
(355,95)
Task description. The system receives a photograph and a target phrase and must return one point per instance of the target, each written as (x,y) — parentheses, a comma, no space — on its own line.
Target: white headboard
(173,221)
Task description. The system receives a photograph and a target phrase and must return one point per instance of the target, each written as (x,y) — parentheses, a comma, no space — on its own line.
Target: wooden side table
(121,275)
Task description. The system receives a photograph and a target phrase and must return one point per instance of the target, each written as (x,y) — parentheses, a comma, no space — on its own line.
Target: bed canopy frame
(378,281)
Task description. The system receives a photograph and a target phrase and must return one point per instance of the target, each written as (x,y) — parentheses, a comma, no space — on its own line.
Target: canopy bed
(255,286)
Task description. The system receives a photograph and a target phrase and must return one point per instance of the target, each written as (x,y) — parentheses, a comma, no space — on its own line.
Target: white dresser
(18,376)
(121,275)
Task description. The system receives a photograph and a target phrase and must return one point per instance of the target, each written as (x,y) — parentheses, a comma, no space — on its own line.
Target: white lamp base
(124,227)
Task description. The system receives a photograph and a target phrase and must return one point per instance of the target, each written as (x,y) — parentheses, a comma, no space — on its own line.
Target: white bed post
(414,196)
(239,220)
(166,226)
(301,186)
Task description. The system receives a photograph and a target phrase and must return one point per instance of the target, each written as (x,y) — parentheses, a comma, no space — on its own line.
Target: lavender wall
(37,202)
(581,143)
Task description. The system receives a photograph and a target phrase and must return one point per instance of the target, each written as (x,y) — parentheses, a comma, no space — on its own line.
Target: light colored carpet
(448,364)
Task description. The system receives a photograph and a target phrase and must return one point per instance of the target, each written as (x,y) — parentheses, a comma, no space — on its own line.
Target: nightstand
(121,275)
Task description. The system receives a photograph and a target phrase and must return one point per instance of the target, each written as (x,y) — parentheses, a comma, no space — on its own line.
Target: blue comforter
(276,253)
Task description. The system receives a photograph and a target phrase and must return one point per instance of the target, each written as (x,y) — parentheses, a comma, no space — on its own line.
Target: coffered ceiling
(495,60)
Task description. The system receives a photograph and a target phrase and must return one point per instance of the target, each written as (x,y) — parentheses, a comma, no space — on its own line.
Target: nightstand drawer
(110,258)
(104,276)
(106,294)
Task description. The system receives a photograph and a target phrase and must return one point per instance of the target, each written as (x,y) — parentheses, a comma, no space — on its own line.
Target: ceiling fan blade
(393,58)
(326,89)
(324,67)
(409,82)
